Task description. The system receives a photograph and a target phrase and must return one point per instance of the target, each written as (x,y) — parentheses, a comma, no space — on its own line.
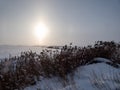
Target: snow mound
(90,77)
(102,60)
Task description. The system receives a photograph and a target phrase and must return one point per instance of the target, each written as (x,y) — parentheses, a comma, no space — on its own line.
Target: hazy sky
(78,21)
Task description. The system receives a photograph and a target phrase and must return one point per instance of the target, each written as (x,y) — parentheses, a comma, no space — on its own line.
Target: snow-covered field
(99,76)
(7,51)
(90,77)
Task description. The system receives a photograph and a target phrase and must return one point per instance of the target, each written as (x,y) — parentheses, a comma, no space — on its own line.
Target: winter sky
(78,21)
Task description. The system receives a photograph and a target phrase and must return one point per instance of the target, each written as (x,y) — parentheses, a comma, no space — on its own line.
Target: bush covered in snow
(18,72)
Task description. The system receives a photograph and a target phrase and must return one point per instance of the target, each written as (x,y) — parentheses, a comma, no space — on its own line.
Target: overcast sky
(79,21)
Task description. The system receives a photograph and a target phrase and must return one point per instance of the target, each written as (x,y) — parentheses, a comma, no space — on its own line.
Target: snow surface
(102,60)
(83,78)
(8,51)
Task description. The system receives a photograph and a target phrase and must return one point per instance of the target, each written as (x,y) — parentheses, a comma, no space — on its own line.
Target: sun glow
(41,31)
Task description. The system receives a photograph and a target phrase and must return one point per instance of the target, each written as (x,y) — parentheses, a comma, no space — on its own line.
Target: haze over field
(58,22)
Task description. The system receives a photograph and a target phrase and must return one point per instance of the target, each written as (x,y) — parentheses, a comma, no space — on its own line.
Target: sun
(41,31)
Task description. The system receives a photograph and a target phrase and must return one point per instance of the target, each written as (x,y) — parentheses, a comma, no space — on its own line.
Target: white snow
(83,79)
(8,51)
(102,60)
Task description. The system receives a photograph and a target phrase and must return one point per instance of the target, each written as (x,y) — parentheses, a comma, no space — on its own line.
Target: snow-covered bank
(84,78)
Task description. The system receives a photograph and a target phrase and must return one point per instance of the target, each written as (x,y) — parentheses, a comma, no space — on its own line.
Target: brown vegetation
(29,66)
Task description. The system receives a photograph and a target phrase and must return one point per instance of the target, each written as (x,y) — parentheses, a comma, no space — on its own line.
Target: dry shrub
(28,66)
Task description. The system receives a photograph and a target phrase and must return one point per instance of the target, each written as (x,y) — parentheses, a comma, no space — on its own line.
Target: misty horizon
(58,22)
